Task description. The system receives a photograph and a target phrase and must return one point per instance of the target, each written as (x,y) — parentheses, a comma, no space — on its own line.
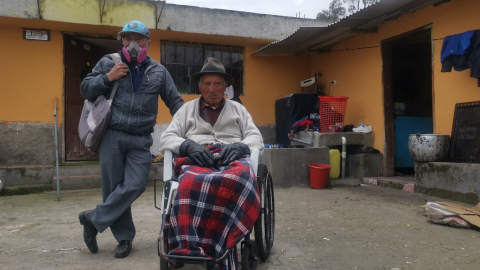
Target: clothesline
(371,47)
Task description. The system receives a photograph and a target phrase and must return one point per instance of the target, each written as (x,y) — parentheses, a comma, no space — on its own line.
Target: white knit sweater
(234,124)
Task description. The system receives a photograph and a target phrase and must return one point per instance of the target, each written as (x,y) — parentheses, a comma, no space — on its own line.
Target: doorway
(408,101)
(81,54)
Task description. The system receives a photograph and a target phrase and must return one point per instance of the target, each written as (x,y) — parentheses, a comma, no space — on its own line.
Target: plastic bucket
(319,175)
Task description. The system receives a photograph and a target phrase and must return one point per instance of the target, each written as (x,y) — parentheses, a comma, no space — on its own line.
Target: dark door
(407,83)
(79,59)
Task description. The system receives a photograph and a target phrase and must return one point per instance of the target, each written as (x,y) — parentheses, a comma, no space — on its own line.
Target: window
(183,59)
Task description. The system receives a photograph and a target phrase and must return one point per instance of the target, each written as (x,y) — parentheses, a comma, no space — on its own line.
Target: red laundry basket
(332,113)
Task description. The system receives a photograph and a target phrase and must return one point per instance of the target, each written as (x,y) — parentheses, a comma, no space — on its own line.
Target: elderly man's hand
(118,71)
(199,154)
(232,152)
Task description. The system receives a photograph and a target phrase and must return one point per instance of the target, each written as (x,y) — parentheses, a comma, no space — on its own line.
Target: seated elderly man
(217,201)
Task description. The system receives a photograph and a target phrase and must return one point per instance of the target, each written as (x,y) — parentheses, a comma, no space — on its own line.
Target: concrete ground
(370,227)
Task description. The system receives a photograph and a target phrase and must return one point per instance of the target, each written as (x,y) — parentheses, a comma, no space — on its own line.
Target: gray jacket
(133,113)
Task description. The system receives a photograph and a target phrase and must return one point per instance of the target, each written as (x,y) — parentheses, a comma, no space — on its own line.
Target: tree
(335,12)
(338,9)
(353,5)
(369,2)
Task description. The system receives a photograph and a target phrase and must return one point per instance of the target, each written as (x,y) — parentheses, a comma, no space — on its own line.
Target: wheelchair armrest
(254,156)
(167,165)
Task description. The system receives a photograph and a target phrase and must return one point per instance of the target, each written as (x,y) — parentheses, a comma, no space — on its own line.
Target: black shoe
(89,231)
(123,249)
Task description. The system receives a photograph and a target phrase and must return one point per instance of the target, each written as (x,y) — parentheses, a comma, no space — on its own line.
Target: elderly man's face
(212,88)
(141,40)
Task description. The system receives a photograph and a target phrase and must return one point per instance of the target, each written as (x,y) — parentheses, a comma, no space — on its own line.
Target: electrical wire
(371,47)
(329,88)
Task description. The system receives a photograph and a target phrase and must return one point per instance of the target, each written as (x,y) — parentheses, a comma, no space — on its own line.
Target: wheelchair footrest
(191,260)
(197,260)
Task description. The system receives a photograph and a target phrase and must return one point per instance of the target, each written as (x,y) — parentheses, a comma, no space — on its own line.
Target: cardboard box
(470,214)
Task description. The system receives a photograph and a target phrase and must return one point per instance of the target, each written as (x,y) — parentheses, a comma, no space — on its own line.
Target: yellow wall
(115,12)
(358,69)
(31,77)
(28,89)
(266,79)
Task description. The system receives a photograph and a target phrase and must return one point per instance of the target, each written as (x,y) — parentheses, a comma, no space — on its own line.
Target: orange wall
(28,89)
(358,70)
(31,77)
(266,79)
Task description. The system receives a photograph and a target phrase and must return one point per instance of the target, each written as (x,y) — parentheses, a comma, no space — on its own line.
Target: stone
(449,180)
(364,165)
(290,166)
(333,139)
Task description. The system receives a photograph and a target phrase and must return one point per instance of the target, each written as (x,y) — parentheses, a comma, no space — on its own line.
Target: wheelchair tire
(249,256)
(163,264)
(265,225)
(271,216)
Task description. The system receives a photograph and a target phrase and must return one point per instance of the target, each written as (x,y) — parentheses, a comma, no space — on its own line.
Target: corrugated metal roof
(366,19)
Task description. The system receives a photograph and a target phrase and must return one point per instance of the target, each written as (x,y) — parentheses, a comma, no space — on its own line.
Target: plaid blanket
(215,207)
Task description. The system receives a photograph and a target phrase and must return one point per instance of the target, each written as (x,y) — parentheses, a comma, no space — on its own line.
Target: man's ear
(148,44)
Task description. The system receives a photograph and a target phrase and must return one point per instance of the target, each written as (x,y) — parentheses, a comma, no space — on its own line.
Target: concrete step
(405,183)
(79,170)
(74,182)
(25,189)
(344,182)
(43,174)
(27,174)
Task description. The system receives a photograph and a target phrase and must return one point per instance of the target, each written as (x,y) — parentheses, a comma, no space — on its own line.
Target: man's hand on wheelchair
(199,154)
(232,152)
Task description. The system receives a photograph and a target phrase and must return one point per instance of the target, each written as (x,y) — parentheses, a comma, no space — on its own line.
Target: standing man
(125,157)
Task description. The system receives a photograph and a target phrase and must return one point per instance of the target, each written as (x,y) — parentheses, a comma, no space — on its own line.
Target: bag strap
(117,60)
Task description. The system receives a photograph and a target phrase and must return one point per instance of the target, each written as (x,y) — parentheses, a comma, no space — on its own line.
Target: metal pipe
(56,150)
(344,155)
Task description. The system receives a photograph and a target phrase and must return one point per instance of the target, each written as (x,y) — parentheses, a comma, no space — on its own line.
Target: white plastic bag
(438,214)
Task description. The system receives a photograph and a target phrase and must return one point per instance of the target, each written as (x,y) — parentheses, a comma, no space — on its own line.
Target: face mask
(134,53)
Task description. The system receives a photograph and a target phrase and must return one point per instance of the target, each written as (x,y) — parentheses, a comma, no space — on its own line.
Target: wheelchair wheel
(249,255)
(265,225)
(163,264)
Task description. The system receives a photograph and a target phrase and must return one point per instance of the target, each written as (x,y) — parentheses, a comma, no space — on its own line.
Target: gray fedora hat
(213,66)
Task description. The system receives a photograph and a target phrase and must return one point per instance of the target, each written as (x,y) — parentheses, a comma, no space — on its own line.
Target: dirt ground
(341,228)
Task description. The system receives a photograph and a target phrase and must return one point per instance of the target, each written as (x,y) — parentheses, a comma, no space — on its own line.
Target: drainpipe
(344,155)
(56,150)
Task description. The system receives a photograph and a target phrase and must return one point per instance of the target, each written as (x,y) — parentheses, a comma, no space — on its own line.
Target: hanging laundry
(474,59)
(455,52)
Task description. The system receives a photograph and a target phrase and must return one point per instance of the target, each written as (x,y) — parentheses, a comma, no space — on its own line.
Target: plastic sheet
(439,214)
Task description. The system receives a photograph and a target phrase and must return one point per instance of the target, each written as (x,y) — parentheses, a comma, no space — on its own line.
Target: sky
(307,8)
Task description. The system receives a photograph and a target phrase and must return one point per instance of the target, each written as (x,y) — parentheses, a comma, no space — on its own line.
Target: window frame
(182,64)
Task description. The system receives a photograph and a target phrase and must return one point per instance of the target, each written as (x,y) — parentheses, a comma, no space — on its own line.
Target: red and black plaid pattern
(213,209)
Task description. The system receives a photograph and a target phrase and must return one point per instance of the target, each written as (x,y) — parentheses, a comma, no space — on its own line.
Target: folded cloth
(455,45)
(214,208)
(348,128)
(303,123)
(370,150)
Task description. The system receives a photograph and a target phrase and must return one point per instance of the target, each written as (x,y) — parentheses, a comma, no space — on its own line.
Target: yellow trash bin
(334,163)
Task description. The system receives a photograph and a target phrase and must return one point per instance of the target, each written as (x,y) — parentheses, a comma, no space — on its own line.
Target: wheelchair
(251,250)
